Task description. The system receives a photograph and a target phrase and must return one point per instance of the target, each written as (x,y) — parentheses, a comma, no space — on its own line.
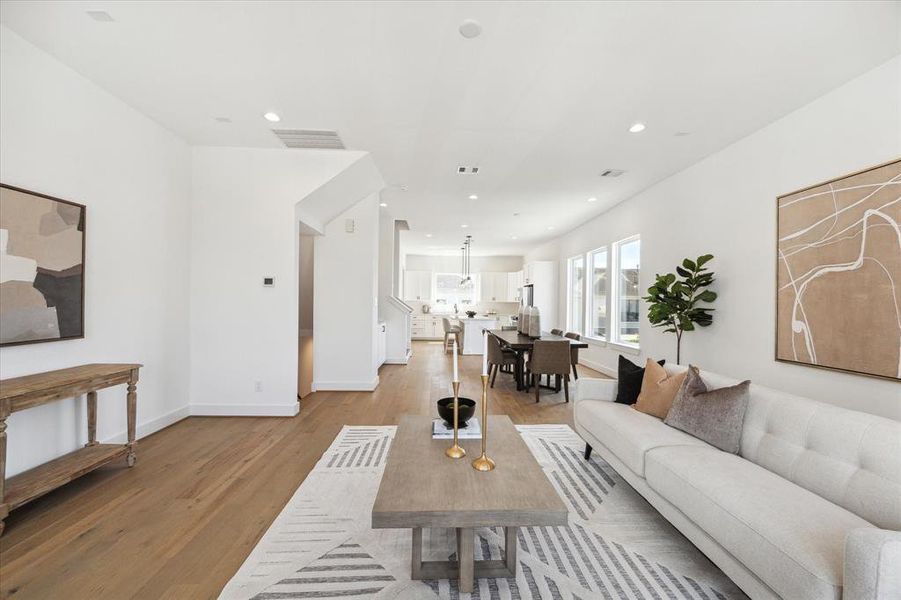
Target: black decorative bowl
(471,314)
(466,410)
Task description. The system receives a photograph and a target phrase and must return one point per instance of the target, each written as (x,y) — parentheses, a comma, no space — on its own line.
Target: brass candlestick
(483,463)
(456,451)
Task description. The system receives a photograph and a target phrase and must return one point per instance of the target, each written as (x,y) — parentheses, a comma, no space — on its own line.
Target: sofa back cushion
(851,458)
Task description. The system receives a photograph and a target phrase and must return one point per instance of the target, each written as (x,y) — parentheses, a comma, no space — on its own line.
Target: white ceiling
(541,101)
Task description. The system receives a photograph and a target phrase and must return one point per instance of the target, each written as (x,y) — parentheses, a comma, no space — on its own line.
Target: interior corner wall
(345,308)
(725,205)
(244,227)
(66,137)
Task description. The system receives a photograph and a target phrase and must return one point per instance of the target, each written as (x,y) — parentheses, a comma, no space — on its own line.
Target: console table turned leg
(92,419)
(132,416)
(4,508)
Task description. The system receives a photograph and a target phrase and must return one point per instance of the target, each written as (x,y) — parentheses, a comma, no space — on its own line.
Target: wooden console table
(20,393)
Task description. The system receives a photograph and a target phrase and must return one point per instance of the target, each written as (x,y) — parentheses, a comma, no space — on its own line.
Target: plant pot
(465,412)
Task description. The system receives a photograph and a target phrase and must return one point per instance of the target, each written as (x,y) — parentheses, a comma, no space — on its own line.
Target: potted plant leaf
(673,299)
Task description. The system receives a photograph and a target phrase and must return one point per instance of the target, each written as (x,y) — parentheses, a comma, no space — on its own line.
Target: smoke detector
(464,170)
(612,173)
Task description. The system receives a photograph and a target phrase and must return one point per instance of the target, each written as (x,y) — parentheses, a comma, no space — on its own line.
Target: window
(575,292)
(597,295)
(627,254)
(449,291)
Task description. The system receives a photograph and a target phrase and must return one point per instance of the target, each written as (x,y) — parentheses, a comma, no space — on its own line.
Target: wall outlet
(258,386)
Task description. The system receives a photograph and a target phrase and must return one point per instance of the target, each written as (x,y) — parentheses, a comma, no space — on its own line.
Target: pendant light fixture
(466,275)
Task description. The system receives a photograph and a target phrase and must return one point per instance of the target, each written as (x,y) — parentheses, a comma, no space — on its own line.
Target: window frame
(613,316)
(589,295)
(569,288)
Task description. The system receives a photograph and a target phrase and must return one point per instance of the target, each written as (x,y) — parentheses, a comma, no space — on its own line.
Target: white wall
(396,318)
(725,205)
(452,264)
(244,227)
(64,136)
(345,310)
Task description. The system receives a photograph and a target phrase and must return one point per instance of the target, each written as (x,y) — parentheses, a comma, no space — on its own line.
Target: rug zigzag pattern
(596,556)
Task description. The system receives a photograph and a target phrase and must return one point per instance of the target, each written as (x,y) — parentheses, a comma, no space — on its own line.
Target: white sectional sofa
(812,500)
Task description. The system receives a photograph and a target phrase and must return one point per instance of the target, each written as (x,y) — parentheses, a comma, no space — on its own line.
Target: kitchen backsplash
(501,308)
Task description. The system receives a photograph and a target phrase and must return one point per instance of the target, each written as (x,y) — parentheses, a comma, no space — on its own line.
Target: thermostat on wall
(268,281)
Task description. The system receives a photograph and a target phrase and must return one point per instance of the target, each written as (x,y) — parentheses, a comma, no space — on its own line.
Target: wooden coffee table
(421,487)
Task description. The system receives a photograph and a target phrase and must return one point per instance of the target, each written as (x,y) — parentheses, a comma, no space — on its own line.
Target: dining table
(523,344)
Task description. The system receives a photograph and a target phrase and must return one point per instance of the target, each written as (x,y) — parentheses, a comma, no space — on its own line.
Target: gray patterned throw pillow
(715,416)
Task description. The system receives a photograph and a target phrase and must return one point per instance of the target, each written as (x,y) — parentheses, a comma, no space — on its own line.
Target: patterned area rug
(615,546)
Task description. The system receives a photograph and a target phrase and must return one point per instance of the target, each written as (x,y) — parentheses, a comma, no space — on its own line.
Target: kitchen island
(472,332)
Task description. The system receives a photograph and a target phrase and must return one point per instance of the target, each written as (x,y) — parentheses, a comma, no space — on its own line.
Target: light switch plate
(349,225)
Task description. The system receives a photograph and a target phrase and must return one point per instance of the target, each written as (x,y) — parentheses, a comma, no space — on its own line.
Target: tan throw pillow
(657,390)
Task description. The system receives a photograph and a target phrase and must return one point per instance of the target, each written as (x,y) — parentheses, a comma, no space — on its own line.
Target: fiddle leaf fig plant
(673,299)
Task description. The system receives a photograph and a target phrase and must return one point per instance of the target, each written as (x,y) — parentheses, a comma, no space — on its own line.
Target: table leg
(510,544)
(466,557)
(416,565)
(4,510)
(518,369)
(132,398)
(92,419)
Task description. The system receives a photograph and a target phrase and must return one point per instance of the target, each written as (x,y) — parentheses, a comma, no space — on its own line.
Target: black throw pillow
(630,376)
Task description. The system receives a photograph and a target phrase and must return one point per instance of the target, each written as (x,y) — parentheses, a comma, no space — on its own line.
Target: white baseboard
(598,367)
(245,410)
(402,360)
(346,386)
(152,426)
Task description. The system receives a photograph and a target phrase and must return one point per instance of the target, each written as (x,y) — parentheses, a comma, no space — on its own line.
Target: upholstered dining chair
(556,331)
(549,358)
(498,357)
(574,352)
(452,330)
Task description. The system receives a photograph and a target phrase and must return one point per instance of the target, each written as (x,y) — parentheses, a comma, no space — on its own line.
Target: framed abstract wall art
(42,247)
(838,274)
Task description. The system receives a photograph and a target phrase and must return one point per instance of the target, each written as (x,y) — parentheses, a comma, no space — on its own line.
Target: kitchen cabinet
(427,327)
(418,286)
(493,287)
(514,286)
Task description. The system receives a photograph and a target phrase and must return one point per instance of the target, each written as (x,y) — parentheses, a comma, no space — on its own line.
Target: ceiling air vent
(309,138)
(612,173)
(467,170)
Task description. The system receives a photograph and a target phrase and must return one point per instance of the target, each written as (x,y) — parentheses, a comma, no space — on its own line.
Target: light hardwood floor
(203,492)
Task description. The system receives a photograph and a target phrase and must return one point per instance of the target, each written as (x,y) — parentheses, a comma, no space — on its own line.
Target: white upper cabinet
(418,286)
(514,286)
(493,287)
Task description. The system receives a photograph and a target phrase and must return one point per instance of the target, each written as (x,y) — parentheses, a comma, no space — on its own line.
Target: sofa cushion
(629,433)
(629,377)
(790,538)
(658,389)
(848,457)
(712,415)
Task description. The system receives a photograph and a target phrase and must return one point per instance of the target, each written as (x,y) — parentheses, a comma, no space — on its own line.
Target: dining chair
(574,352)
(498,357)
(556,331)
(549,358)
(452,330)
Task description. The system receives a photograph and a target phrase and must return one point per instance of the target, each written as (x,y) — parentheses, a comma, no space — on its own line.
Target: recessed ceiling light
(550,227)
(470,28)
(383,204)
(272,117)
(682,133)
(592,199)
(473,197)
(636,128)
(464,226)
(428,235)
(100,15)
(512,237)
(515,214)
(223,119)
